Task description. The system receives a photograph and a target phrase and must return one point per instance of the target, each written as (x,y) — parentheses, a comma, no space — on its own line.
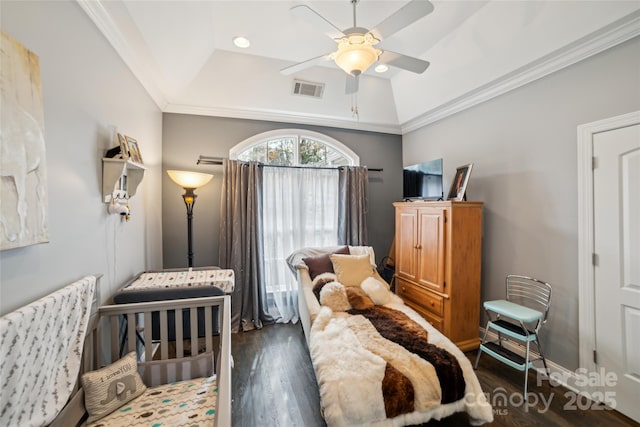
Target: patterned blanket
(382,365)
(40,354)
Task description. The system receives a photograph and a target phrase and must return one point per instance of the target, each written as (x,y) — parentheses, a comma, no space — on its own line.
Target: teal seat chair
(518,318)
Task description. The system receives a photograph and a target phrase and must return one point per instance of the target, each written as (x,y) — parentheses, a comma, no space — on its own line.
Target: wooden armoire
(438,262)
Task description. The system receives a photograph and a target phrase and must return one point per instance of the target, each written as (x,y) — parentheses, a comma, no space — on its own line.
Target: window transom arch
(294,147)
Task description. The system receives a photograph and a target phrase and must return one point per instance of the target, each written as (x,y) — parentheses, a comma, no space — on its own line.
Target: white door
(616,215)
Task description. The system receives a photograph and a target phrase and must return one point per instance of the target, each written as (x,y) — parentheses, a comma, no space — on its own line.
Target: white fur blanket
(40,354)
(350,371)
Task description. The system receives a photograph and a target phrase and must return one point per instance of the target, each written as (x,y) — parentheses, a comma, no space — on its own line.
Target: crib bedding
(182,403)
(377,361)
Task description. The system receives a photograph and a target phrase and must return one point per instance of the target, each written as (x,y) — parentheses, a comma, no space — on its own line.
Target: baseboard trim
(560,374)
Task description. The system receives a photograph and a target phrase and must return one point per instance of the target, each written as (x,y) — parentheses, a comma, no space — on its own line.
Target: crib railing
(160,361)
(206,345)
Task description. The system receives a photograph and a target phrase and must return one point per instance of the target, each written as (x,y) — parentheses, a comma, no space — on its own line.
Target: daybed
(181,383)
(377,361)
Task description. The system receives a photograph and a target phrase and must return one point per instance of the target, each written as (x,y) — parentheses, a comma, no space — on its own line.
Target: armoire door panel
(407,231)
(431,246)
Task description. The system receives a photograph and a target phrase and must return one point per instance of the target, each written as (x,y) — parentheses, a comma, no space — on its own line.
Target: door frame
(586,279)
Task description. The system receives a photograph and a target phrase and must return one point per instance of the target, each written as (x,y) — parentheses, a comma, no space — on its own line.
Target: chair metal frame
(522,294)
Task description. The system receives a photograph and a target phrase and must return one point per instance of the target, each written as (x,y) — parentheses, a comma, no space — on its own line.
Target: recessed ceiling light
(381,68)
(241,42)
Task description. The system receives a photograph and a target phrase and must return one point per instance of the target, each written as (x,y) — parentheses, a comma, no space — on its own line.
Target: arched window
(294,147)
(300,203)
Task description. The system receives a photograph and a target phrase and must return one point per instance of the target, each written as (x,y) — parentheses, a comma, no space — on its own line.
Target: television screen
(423,180)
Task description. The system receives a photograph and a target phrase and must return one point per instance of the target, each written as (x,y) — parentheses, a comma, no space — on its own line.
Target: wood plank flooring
(274,386)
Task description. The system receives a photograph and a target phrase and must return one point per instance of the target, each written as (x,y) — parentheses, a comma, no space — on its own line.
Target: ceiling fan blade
(318,21)
(406,15)
(405,62)
(304,64)
(352,84)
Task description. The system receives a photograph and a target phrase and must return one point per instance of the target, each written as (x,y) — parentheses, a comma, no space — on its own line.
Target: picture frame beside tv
(423,181)
(459,184)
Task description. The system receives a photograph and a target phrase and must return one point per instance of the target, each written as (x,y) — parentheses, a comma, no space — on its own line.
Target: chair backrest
(530,292)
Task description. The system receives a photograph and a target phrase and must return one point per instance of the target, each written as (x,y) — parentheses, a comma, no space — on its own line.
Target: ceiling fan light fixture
(241,42)
(356,53)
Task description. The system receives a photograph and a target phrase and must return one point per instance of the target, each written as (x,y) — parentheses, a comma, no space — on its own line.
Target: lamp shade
(356,53)
(186,179)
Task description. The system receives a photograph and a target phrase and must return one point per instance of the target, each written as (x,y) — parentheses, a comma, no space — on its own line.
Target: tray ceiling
(182,52)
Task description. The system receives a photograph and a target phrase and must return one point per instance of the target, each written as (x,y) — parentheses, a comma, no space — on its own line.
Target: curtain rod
(206,160)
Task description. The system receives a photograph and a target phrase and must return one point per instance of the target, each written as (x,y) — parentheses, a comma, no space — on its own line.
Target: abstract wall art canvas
(23,194)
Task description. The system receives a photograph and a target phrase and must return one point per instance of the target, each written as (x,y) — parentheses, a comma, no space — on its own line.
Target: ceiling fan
(357,49)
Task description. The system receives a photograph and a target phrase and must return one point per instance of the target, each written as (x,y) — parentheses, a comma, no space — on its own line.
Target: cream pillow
(351,270)
(107,389)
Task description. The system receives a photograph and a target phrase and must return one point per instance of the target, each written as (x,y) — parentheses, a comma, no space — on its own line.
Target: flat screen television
(423,181)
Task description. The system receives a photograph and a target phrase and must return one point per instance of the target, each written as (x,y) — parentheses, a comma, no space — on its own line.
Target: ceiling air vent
(312,89)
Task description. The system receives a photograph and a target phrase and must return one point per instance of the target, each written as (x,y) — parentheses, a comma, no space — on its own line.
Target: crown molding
(285,117)
(120,41)
(618,32)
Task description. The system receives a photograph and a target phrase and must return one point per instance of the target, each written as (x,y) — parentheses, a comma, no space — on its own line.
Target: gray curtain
(353,203)
(241,245)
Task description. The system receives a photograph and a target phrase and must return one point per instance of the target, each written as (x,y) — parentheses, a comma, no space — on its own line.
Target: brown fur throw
(397,327)
(398,392)
(358,298)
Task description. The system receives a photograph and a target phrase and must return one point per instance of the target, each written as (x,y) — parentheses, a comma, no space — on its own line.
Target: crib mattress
(182,403)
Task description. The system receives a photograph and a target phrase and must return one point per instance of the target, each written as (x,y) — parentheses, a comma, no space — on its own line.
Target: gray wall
(89,94)
(185,137)
(524,149)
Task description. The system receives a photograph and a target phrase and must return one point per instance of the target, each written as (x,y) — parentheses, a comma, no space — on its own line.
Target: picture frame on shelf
(134,150)
(459,184)
(124,147)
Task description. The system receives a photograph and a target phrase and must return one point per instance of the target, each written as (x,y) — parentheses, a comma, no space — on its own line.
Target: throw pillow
(109,388)
(322,263)
(334,296)
(319,282)
(376,290)
(351,270)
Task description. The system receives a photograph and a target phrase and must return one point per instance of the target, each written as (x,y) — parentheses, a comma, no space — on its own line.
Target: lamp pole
(189,198)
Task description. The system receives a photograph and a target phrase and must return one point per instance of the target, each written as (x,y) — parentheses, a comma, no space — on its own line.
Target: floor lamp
(189,181)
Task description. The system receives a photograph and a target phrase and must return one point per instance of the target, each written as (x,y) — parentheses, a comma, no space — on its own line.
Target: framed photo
(124,147)
(459,183)
(134,150)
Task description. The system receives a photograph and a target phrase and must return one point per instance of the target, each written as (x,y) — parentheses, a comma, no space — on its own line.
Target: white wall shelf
(120,179)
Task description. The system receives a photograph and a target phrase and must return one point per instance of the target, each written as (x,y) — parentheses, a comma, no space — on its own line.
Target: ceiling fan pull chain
(354,106)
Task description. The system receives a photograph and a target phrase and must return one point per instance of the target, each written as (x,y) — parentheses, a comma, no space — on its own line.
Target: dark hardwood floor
(274,386)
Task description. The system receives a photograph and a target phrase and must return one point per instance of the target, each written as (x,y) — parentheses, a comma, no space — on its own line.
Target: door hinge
(594,259)
(594,162)
(595,357)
